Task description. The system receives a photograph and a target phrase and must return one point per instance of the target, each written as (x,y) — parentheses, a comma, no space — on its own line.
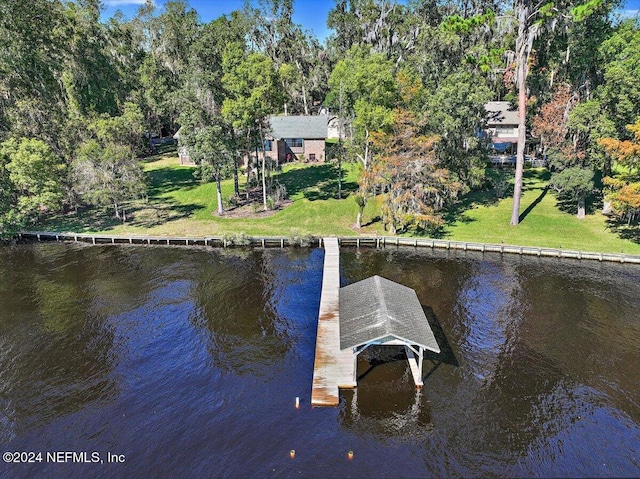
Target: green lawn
(543,222)
(178,204)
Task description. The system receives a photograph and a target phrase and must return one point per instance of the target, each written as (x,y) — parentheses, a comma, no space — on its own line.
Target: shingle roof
(377,308)
(307,127)
(501,113)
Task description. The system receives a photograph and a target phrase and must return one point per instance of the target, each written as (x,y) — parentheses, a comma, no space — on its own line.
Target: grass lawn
(543,222)
(178,204)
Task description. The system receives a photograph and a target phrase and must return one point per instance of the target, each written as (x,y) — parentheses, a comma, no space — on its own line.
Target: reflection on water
(188,361)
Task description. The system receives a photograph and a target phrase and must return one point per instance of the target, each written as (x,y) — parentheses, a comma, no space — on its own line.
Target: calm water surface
(188,363)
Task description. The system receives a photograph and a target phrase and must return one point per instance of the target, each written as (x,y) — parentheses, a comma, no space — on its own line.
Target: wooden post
(355,366)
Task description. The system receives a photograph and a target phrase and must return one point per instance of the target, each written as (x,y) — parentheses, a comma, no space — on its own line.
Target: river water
(174,362)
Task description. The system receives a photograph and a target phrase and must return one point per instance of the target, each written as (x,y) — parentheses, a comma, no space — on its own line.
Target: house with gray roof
(502,125)
(296,138)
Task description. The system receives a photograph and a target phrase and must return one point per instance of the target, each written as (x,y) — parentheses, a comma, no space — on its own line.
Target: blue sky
(311,14)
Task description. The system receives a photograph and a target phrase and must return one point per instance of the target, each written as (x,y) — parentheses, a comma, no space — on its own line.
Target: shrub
(241,239)
(271,202)
(231,202)
(298,238)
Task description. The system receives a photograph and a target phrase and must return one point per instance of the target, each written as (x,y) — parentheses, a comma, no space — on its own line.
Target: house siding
(314,147)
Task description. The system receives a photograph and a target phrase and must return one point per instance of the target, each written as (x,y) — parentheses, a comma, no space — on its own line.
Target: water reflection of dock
(333,368)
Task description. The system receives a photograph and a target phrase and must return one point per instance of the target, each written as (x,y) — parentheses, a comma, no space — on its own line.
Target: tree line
(81,99)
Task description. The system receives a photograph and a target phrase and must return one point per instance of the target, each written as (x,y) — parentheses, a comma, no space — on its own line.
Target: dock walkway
(332,368)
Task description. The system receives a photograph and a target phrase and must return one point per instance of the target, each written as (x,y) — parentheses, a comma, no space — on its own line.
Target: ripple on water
(188,361)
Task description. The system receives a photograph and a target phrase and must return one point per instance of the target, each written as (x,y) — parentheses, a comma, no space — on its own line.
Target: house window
(294,142)
(312,157)
(268,145)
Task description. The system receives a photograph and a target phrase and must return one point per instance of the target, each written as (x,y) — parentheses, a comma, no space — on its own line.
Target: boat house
(377,311)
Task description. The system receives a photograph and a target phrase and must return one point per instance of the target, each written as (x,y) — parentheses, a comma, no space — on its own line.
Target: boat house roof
(379,311)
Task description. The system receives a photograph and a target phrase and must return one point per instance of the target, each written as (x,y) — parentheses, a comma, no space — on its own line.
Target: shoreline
(243,240)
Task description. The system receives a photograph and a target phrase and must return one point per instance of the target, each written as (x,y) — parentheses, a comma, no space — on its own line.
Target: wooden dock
(332,368)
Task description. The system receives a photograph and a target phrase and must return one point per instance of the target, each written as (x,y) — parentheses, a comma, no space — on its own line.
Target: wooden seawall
(357,241)
(332,368)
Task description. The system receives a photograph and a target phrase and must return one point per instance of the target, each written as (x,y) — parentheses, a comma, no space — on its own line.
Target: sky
(311,14)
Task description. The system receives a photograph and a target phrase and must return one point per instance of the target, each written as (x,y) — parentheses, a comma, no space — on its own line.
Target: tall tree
(170,37)
(203,88)
(32,180)
(367,85)
(210,143)
(105,170)
(300,59)
(254,94)
(531,19)
(619,94)
(406,168)
(32,51)
(624,190)
(455,109)
(567,148)
(416,187)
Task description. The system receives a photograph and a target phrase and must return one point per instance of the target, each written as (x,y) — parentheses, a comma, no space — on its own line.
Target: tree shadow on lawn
(154,212)
(456,212)
(488,197)
(533,204)
(535,175)
(315,182)
(140,214)
(165,180)
(623,230)
(570,206)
